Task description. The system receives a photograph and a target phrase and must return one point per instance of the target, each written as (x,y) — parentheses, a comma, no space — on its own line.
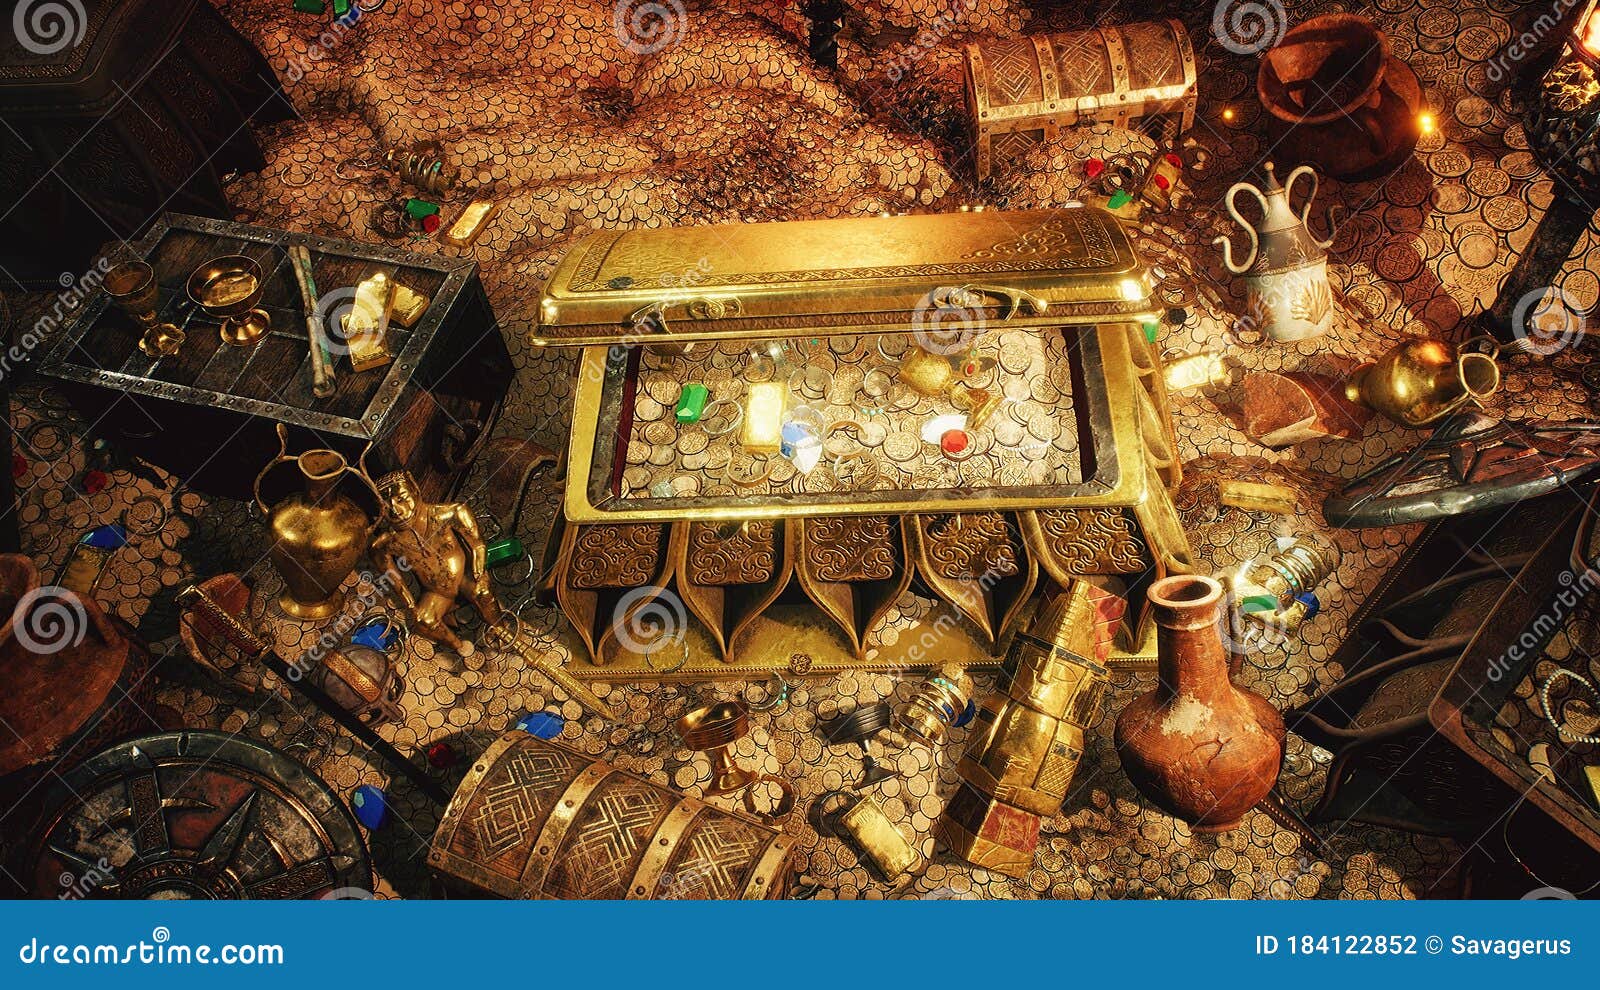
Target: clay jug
(1201,748)
(1286,269)
(320,532)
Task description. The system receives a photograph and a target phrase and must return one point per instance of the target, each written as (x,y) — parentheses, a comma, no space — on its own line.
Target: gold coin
(659,432)
(692,442)
(902,445)
(1043,390)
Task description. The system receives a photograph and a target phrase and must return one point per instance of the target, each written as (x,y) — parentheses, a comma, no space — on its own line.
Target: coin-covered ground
(574,117)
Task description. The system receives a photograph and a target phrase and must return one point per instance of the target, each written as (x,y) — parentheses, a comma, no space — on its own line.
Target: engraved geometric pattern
(1153,59)
(717,853)
(1084,68)
(512,804)
(1013,72)
(1012,145)
(602,849)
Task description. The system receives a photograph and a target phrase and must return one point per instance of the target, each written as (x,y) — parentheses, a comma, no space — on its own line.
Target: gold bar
(1256,497)
(366,326)
(471,223)
(407,306)
(762,432)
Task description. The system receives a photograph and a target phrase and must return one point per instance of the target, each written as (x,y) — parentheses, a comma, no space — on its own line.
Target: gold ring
(751,482)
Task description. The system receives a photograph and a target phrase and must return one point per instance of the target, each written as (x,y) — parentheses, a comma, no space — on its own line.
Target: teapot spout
(1227,254)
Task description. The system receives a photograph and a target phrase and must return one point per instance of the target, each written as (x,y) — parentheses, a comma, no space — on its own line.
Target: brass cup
(133,288)
(713,730)
(228,289)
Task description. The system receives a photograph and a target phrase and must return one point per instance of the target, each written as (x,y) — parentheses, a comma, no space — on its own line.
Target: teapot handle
(1250,231)
(1305,210)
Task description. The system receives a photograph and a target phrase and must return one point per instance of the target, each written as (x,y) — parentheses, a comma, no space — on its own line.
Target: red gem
(1093,167)
(441,755)
(430,223)
(95,481)
(19,466)
(1174,160)
(954,441)
(1162,182)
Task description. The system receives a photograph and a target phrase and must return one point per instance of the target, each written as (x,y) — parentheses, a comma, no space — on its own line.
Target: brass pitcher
(1421,381)
(320,532)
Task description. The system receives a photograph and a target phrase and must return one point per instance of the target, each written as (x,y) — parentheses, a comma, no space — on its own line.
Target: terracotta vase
(1201,748)
(320,532)
(1339,99)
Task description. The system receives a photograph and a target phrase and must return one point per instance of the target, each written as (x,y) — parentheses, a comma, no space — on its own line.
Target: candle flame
(1425,122)
(1589,33)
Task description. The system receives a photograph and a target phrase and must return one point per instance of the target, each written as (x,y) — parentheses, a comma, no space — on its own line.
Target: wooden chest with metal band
(1022,91)
(535,820)
(758,556)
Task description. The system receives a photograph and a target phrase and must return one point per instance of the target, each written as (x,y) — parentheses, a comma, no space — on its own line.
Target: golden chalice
(133,288)
(229,289)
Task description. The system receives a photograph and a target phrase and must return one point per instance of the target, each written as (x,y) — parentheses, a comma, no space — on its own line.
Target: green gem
(310,6)
(692,402)
(1152,329)
(418,209)
(1259,603)
(503,551)
(1120,198)
(341,7)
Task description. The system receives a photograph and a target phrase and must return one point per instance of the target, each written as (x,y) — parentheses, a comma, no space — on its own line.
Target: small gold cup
(133,288)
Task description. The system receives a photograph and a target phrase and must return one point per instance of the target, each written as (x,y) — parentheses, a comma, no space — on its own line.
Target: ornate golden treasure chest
(532,819)
(829,414)
(1022,91)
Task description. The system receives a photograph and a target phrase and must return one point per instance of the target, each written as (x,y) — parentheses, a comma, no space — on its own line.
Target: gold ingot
(762,431)
(865,826)
(366,326)
(1421,381)
(1253,496)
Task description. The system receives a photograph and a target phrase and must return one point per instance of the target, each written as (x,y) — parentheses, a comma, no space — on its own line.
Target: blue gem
(542,725)
(109,537)
(371,806)
(966,716)
(1310,601)
(379,634)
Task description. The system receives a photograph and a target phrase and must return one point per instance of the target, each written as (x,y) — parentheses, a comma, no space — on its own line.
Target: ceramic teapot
(1286,269)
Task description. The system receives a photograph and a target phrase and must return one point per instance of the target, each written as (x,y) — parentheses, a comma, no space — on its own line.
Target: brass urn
(1421,381)
(319,532)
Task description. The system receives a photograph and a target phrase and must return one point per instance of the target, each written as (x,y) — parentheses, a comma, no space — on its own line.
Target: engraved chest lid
(865,275)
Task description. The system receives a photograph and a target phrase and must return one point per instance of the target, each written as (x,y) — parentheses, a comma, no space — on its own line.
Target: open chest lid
(939,273)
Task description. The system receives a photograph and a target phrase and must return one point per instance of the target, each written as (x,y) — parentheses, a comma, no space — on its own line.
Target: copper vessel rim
(1185,592)
(1300,33)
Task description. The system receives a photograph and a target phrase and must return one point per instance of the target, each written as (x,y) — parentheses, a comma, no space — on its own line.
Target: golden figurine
(440,545)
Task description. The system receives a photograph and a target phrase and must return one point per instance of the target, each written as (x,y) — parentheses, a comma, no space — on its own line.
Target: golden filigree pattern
(1094,541)
(851,548)
(738,553)
(971,545)
(606,556)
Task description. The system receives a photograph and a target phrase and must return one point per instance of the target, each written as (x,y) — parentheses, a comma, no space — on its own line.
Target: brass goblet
(713,730)
(228,289)
(133,288)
